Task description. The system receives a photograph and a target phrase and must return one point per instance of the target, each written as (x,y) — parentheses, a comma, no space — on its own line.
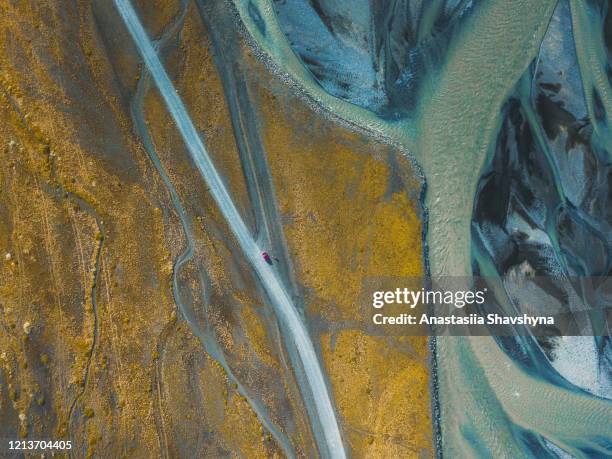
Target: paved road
(280,300)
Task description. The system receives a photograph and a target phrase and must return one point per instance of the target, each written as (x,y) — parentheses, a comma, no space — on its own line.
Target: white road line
(284,308)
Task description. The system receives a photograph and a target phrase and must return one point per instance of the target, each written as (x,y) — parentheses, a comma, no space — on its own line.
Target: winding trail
(56,188)
(205,336)
(278,296)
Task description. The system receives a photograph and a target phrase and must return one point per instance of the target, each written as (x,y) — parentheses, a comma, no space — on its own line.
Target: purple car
(266,257)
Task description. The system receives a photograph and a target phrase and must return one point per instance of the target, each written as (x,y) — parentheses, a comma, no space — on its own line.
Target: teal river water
(489,402)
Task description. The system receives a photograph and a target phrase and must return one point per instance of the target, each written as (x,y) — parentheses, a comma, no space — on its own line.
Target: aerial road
(287,314)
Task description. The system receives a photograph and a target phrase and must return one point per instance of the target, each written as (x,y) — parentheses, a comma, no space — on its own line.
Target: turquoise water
(503,107)
(474,92)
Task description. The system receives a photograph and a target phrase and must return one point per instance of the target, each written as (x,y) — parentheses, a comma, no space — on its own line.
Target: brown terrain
(114,334)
